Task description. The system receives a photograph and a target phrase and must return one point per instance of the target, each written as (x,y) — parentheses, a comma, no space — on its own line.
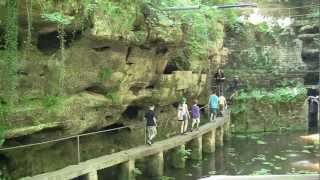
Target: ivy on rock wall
(196,33)
(9,61)
(267,110)
(142,24)
(8,65)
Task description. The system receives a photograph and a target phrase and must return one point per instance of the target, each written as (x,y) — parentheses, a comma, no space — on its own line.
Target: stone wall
(268,61)
(261,116)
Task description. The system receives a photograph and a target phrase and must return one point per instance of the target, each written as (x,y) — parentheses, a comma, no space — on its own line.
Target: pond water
(266,153)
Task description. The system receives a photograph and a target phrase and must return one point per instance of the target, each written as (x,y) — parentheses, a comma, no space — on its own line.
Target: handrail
(73,171)
(68,137)
(295,7)
(196,7)
(61,139)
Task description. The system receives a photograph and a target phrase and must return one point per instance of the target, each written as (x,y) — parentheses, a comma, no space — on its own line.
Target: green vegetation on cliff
(280,107)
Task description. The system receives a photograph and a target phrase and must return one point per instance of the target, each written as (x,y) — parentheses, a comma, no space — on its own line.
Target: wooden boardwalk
(106,161)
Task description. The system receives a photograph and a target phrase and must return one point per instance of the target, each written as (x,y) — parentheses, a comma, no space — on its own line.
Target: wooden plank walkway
(266,177)
(106,161)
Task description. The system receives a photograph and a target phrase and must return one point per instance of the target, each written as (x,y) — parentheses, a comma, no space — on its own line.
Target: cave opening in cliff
(161,50)
(96,88)
(310,55)
(4,161)
(175,104)
(311,78)
(132,112)
(151,86)
(135,90)
(2,38)
(170,68)
(49,42)
(114,126)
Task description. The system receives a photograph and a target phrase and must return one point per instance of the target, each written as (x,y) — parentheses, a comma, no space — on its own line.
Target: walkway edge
(106,161)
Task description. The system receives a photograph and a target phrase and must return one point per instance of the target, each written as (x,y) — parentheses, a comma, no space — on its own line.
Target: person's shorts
(183,118)
(213,110)
(195,119)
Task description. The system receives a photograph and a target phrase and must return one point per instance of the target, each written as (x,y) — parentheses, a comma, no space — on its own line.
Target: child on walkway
(183,116)
(195,112)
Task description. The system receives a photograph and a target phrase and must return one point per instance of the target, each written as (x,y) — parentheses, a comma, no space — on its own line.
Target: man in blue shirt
(213,105)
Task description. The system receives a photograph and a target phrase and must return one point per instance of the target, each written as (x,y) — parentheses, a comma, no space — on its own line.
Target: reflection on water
(268,153)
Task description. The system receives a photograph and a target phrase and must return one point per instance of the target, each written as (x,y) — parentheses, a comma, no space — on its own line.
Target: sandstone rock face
(104,71)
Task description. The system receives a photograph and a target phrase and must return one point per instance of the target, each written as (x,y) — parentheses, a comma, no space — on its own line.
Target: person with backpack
(151,124)
(195,113)
(183,115)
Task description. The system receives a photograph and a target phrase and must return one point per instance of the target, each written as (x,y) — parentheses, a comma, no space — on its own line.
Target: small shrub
(184,153)
(57,17)
(165,178)
(104,73)
(50,101)
(136,172)
(113,96)
(4,110)
(2,131)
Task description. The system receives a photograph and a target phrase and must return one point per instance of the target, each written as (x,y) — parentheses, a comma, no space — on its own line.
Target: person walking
(222,105)
(313,113)
(213,105)
(183,115)
(219,78)
(195,113)
(151,124)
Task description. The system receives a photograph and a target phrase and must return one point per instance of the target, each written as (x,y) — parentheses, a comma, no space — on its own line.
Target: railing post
(78,149)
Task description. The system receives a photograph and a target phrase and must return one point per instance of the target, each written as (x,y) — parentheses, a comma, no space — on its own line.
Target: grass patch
(51,102)
(114,97)
(261,172)
(104,73)
(165,178)
(260,142)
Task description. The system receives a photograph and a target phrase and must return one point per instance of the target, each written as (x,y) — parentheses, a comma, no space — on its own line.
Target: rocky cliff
(112,62)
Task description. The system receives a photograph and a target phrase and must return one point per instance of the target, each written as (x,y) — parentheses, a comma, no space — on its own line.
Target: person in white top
(183,116)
